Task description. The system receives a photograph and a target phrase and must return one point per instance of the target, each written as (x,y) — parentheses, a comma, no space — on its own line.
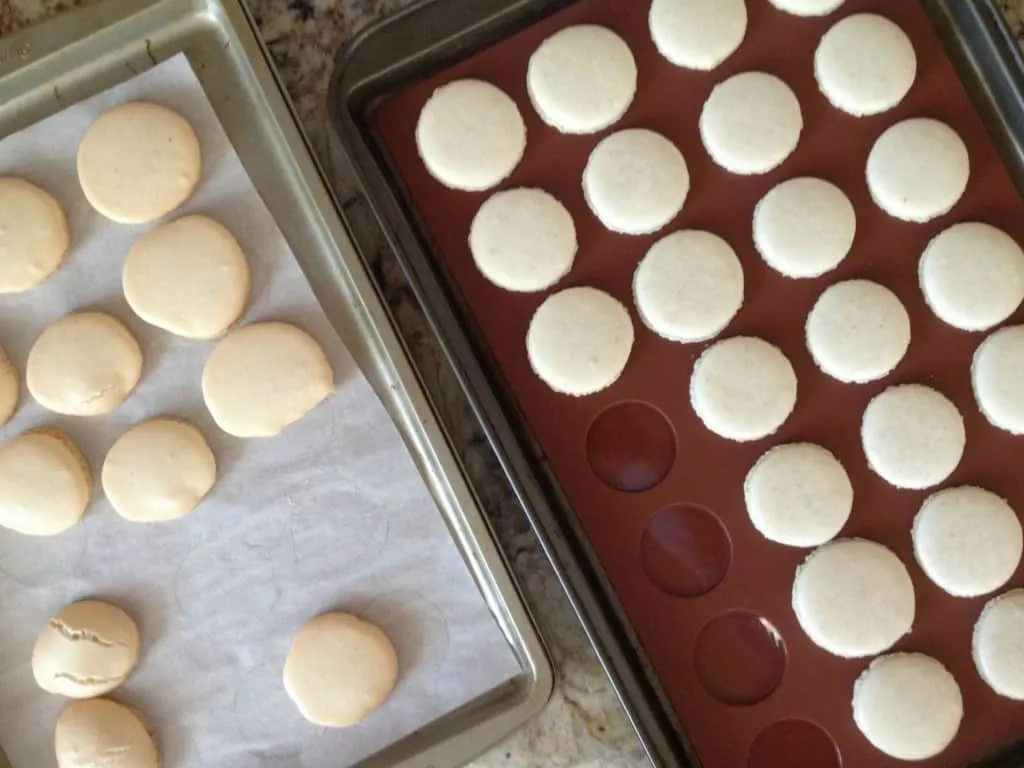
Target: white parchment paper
(331,514)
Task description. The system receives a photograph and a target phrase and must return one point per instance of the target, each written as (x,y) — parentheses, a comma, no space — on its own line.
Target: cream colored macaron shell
(189,277)
(967,540)
(582,79)
(996,375)
(998,644)
(579,341)
(808,7)
(45,484)
(88,649)
(339,669)
(798,494)
(10,388)
(913,436)
(99,733)
(918,169)
(523,240)
(34,235)
(697,34)
(743,388)
(804,227)
(908,706)
(470,135)
(865,64)
(853,598)
(158,470)
(751,123)
(84,365)
(138,162)
(262,377)
(688,286)
(636,181)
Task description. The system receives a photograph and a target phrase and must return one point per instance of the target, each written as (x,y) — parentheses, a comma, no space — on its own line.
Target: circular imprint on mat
(858,331)
(83,365)
(918,170)
(799,495)
(751,123)
(579,341)
(688,286)
(685,550)
(470,135)
(996,375)
(138,162)
(188,277)
(793,743)
(972,276)
(631,446)
(339,669)
(158,470)
(29,560)
(45,483)
(10,388)
(90,732)
(804,227)
(582,79)
(743,388)
(865,64)
(311,549)
(262,377)
(635,181)
(808,7)
(523,240)
(88,649)
(913,436)
(908,706)
(853,598)
(740,658)
(998,644)
(34,235)
(967,540)
(698,34)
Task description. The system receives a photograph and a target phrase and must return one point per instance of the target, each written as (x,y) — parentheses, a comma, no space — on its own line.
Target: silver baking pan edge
(83,52)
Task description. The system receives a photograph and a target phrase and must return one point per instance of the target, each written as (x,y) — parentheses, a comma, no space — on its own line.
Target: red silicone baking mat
(739,694)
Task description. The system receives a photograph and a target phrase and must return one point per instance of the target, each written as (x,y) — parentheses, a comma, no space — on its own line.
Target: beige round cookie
(10,389)
(262,377)
(45,483)
(34,235)
(84,365)
(158,470)
(88,649)
(339,669)
(100,733)
(189,277)
(138,162)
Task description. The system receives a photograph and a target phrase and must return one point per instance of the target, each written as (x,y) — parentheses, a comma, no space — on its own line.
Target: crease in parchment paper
(331,514)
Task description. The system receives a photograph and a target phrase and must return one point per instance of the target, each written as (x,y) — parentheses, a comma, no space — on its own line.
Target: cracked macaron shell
(88,649)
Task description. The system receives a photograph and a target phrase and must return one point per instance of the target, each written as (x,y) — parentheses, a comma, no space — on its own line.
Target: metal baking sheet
(432,36)
(83,53)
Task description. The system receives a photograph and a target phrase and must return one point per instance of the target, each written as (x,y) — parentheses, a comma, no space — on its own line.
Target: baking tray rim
(130,36)
(359,82)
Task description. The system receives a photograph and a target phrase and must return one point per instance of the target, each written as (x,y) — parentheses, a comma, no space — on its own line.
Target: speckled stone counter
(583,725)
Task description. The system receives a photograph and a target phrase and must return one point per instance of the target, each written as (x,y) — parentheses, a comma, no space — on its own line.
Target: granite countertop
(583,725)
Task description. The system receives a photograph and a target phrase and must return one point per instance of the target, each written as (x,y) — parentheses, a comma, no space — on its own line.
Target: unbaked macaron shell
(997,372)
(698,34)
(998,644)
(808,7)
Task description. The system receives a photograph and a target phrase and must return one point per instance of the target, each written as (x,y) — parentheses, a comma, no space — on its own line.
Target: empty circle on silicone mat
(631,446)
(582,79)
(635,181)
(996,375)
(865,64)
(697,34)
(32,560)
(685,550)
(998,644)
(913,436)
(804,227)
(972,276)
(858,331)
(740,658)
(790,743)
(808,7)
(751,123)
(918,170)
